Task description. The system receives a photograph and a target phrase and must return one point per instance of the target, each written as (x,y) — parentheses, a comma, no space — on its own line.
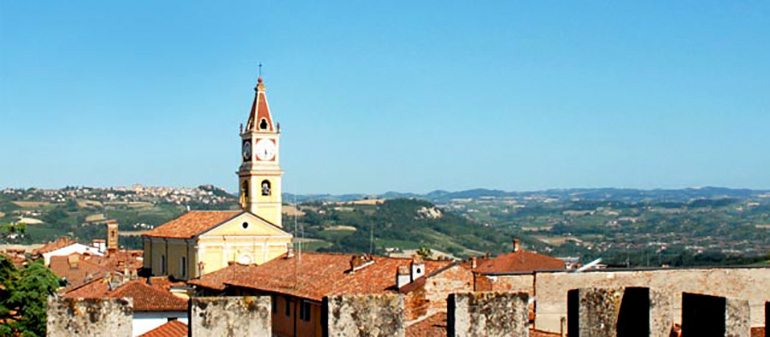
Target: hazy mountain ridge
(604,194)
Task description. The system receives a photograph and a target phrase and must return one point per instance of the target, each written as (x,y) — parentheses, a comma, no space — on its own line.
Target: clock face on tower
(247,151)
(265,149)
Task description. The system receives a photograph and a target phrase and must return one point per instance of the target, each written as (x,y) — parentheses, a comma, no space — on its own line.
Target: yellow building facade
(200,242)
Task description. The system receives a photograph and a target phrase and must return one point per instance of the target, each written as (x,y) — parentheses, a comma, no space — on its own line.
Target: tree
(424,252)
(12,230)
(24,295)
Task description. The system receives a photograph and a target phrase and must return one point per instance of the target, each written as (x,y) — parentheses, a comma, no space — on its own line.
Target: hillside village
(217,265)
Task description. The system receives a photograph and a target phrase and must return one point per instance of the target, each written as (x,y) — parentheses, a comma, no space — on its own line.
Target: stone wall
(364,315)
(612,312)
(488,314)
(89,317)
(516,283)
(431,296)
(230,316)
(742,283)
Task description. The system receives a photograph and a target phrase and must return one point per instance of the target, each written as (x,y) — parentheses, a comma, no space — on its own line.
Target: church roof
(191,224)
(260,111)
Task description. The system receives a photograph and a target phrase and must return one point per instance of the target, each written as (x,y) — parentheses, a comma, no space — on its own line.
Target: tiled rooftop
(146,297)
(315,275)
(192,223)
(76,269)
(173,328)
(54,245)
(519,261)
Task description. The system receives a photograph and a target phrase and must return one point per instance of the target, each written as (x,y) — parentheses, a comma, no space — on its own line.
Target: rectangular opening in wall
(183,266)
(304,311)
(288,306)
(274,303)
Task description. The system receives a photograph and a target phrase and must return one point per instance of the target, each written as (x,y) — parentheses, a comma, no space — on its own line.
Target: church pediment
(246,224)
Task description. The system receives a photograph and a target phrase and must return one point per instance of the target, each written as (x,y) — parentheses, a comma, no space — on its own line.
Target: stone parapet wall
(90,317)
(612,312)
(477,314)
(372,315)
(741,283)
(230,316)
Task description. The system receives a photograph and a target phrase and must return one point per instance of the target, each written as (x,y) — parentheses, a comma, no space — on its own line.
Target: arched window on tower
(263,124)
(266,187)
(245,192)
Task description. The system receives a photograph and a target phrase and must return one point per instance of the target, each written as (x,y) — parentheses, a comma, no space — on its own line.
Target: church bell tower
(259,177)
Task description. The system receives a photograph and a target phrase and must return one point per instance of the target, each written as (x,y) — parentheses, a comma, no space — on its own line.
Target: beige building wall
(752,284)
(165,257)
(244,239)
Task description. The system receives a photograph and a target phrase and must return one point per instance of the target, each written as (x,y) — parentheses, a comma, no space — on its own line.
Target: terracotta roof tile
(315,275)
(147,298)
(192,223)
(95,289)
(120,260)
(173,328)
(520,261)
(216,280)
(76,269)
(54,245)
(433,326)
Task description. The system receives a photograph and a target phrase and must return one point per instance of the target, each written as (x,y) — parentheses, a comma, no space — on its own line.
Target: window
(288,306)
(274,303)
(183,266)
(262,125)
(245,192)
(266,187)
(245,225)
(162,264)
(304,311)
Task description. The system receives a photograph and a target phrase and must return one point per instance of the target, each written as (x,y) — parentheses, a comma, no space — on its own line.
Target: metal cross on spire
(260,69)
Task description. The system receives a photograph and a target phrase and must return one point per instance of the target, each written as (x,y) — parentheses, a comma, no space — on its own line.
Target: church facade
(200,242)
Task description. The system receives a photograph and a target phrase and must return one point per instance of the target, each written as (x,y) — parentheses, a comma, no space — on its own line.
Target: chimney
(418,267)
(474,263)
(112,237)
(402,276)
(289,250)
(359,261)
(516,245)
(73,260)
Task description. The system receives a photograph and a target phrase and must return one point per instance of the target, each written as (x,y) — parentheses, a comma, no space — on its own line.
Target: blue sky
(374,96)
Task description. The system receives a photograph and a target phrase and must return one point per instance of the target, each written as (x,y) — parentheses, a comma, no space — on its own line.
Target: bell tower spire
(259,175)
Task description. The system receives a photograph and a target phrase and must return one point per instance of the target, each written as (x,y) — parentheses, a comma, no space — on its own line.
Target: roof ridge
(86,284)
(213,210)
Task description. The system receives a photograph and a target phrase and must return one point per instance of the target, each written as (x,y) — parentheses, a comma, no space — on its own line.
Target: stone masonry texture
(611,312)
(230,316)
(741,283)
(89,317)
(477,314)
(370,315)
(594,312)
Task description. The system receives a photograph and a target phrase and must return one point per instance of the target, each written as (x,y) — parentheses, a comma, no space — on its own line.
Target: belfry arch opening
(245,192)
(266,188)
(263,124)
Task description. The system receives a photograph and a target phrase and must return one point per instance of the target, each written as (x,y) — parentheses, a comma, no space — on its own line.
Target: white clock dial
(265,149)
(247,151)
